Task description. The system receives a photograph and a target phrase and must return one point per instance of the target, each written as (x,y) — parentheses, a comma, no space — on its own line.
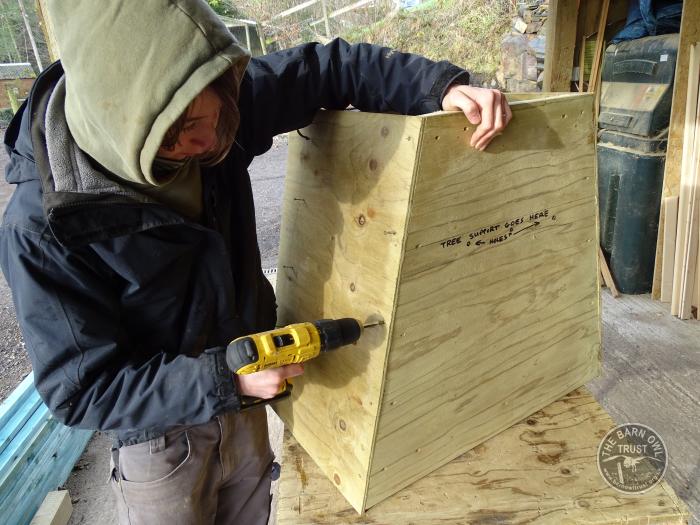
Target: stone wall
(522,51)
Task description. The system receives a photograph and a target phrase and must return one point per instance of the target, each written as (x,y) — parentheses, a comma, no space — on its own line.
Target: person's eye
(190,127)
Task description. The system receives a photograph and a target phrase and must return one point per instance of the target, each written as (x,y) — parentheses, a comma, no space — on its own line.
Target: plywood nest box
(483,266)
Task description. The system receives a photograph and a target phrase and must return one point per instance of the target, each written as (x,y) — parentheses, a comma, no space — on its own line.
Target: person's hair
(226,88)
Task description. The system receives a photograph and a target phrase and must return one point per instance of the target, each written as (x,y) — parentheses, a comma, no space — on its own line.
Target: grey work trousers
(216,473)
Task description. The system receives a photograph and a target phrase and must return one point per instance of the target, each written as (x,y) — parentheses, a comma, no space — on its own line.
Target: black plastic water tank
(635,106)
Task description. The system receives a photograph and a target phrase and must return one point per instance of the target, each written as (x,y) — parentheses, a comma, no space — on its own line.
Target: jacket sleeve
(282,91)
(85,369)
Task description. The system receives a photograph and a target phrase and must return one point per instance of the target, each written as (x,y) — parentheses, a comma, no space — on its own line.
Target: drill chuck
(338,332)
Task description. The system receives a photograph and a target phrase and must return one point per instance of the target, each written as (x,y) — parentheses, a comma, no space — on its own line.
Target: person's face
(198,136)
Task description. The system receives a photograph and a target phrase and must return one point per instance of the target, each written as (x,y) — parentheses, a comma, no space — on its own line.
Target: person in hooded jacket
(130,242)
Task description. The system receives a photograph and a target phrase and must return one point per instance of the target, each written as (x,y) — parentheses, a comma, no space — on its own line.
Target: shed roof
(16,70)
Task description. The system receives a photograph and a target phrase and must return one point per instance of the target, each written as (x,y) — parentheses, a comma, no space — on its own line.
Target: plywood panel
(346,198)
(482,264)
(481,324)
(541,470)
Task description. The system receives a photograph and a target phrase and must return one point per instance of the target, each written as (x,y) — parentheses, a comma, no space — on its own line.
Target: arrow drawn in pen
(536,223)
(479,242)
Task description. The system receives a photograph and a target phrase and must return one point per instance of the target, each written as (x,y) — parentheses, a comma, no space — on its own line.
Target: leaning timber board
(542,471)
(483,266)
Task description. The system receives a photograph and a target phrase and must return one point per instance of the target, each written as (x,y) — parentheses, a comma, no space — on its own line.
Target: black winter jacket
(126,307)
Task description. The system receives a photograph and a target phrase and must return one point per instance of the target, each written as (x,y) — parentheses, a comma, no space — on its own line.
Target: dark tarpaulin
(650,18)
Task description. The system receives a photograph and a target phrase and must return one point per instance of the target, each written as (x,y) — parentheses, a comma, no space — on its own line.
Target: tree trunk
(31,35)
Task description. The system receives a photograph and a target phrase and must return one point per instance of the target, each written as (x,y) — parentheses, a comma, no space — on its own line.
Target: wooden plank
(594,81)
(689,34)
(342,10)
(47,29)
(687,183)
(690,254)
(36,427)
(10,405)
(294,9)
(542,470)
(45,467)
(24,408)
(54,510)
(17,397)
(560,45)
(670,207)
(605,272)
(387,208)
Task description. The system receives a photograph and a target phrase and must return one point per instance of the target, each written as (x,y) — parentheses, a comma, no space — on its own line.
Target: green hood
(132,67)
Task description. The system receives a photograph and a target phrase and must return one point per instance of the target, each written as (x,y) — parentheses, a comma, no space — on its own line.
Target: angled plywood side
(346,200)
(498,309)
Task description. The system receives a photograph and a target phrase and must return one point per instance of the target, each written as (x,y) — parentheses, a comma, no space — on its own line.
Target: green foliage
(465,32)
(5,117)
(14,43)
(222,7)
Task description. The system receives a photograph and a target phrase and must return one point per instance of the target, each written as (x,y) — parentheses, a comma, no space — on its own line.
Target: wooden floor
(651,375)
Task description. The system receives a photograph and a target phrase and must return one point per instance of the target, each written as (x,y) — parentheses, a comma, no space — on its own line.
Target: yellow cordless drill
(294,343)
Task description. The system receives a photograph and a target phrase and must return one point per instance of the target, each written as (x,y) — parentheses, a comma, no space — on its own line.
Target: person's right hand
(266,384)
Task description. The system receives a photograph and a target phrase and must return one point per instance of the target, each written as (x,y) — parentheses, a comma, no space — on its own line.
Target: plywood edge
(682,510)
(390,328)
(598,251)
(517,99)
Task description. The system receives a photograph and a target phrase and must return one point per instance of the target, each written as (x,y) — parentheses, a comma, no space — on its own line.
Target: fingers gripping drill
(294,343)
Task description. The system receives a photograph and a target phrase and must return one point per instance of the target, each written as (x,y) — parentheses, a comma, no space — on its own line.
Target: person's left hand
(486,108)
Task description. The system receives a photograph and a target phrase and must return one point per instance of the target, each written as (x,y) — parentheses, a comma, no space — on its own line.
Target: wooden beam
(689,34)
(560,45)
(670,211)
(594,81)
(607,276)
(47,28)
(294,9)
(37,453)
(343,10)
(56,509)
(687,219)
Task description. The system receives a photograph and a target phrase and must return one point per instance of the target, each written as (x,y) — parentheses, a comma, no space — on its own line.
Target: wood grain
(481,329)
(686,232)
(670,211)
(346,197)
(56,509)
(689,35)
(541,470)
(47,29)
(560,45)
